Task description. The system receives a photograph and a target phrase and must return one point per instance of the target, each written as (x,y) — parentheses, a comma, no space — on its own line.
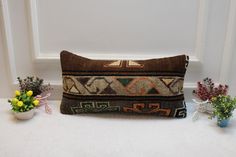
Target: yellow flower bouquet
(23,101)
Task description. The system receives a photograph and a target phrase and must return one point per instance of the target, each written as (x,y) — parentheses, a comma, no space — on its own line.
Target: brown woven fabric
(153,86)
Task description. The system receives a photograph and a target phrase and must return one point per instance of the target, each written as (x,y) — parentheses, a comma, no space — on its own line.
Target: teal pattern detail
(153,91)
(124,81)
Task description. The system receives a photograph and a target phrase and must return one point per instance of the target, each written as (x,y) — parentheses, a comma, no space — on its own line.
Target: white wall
(35,31)
(5,87)
(232,77)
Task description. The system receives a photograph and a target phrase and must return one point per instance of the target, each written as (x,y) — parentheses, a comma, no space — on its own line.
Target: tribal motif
(86,107)
(123,85)
(152,86)
(181,112)
(148,109)
(126,64)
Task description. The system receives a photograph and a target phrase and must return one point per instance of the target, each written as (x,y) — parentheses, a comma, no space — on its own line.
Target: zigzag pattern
(123,85)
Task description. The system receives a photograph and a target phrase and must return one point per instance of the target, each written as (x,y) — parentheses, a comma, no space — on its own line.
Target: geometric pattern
(176,108)
(123,85)
(153,86)
(181,112)
(148,109)
(88,107)
(124,63)
(167,81)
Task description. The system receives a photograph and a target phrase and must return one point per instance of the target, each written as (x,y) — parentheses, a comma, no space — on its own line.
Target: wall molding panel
(227,54)
(196,58)
(46,63)
(8,41)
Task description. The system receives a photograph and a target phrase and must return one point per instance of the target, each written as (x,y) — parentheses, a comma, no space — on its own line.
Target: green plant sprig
(223,106)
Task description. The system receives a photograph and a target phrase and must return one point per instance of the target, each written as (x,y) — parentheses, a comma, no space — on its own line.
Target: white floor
(102,135)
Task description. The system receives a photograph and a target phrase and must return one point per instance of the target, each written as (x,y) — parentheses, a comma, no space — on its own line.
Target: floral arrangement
(23,101)
(207,89)
(34,84)
(33,93)
(223,107)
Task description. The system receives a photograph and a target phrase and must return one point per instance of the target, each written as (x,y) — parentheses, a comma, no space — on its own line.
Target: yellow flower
(14,101)
(17,93)
(36,102)
(20,103)
(29,93)
(213,99)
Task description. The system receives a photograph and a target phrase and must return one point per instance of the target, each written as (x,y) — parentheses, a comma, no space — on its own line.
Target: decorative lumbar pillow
(153,86)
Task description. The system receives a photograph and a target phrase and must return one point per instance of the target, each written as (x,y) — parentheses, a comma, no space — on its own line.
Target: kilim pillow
(153,86)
